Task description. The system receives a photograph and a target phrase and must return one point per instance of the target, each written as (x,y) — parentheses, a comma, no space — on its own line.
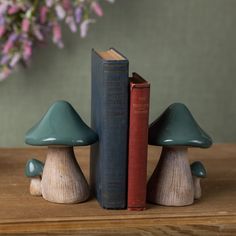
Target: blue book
(109,118)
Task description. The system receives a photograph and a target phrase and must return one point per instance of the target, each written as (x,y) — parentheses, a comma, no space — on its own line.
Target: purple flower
(56,32)
(84,27)
(57,39)
(10,43)
(43,14)
(16,57)
(71,22)
(78,14)
(2,30)
(13,9)
(5,59)
(13,37)
(27,50)
(25,25)
(49,3)
(38,34)
(66,4)
(2,20)
(97,8)
(60,12)
(5,73)
(7,47)
(3,8)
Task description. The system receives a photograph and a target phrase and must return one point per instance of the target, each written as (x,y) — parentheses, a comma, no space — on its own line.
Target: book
(109,118)
(138,142)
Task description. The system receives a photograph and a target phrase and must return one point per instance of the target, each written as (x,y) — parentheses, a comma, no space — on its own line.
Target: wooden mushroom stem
(35,186)
(171,183)
(197,187)
(63,180)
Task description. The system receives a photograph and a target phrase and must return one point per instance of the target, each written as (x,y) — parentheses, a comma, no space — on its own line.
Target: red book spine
(138,142)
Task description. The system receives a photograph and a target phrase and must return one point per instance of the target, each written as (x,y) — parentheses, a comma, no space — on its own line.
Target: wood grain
(171,184)
(197,187)
(35,186)
(213,214)
(62,179)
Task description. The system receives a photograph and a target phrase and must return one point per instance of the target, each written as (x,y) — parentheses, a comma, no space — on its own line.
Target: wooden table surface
(214,214)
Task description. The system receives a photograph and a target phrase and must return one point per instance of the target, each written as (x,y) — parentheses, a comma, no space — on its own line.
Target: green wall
(185,48)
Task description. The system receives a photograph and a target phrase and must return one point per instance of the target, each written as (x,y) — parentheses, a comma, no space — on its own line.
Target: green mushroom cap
(33,168)
(198,169)
(177,127)
(61,125)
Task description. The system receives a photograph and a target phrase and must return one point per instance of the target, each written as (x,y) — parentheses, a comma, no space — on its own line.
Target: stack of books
(119,114)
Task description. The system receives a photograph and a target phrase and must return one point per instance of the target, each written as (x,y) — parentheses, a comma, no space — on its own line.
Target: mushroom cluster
(198,171)
(61,128)
(171,183)
(34,170)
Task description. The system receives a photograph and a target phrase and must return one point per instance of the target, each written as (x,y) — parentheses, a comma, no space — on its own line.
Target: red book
(138,142)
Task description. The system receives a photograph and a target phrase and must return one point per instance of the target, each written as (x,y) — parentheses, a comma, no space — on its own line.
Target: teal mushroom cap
(177,127)
(61,125)
(34,168)
(198,169)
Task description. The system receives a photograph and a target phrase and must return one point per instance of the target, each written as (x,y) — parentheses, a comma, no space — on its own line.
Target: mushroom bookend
(171,183)
(34,170)
(60,129)
(198,172)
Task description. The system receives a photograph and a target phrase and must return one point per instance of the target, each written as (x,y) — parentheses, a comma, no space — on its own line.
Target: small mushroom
(171,183)
(34,170)
(198,172)
(60,129)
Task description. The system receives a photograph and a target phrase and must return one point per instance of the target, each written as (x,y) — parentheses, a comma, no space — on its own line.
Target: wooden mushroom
(60,129)
(34,170)
(171,183)
(198,172)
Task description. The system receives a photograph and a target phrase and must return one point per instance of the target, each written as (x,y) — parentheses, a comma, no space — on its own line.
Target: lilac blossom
(10,43)
(84,27)
(56,32)
(97,8)
(37,33)
(13,9)
(5,72)
(66,4)
(60,12)
(43,14)
(57,37)
(5,59)
(71,23)
(27,50)
(2,20)
(2,30)
(49,3)
(3,8)
(16,57)
(23,24)
(78,14)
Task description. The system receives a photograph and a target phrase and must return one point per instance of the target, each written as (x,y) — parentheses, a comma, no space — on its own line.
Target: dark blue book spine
(108,172)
